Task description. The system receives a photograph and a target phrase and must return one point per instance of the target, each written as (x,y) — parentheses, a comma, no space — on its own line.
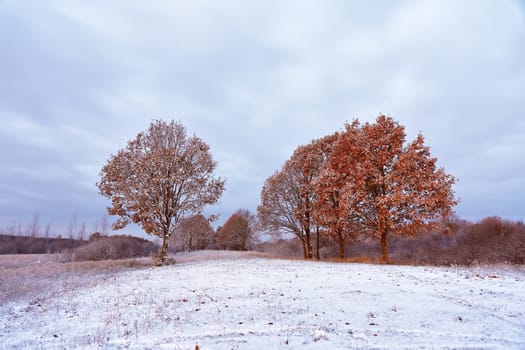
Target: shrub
(281,247)
(489,241)
(111,247)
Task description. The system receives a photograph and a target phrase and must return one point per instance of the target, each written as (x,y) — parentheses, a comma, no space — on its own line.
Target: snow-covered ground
(243,302)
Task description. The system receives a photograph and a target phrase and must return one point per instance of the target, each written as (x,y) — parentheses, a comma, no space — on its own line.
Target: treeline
(98,247)
(15,244)
(362,183)
(491,240)
(459,242)
(75,230)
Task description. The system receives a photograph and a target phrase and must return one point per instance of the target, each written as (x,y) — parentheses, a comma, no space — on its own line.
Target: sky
(255,79)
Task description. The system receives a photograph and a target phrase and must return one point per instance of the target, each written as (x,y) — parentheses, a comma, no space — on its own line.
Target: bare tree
(34,227)
(81,233)
(71,228)
(104,225)
(19,230)
(160,177)
(47,231)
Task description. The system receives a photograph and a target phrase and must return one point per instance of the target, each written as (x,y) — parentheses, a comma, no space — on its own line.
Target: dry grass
(36,276)
(43,275)
(217,254)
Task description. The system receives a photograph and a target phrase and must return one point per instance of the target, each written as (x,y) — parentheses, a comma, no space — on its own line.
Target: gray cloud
(255,80)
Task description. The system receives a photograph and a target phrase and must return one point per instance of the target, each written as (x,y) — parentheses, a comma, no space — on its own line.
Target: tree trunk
(317,256)
(384,250)
(164,250)
(305,251)
(341,238)
(308,245)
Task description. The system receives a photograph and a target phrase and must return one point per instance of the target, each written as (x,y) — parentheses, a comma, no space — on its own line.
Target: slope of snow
(257,303)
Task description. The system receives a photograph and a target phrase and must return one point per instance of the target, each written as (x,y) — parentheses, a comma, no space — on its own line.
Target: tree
(330,211)
(237,231)
(160,177)
(389,187)
(34,228)
(102,225)
(81,231)
(288,197)
(71,229)
(276,211)
(194,233)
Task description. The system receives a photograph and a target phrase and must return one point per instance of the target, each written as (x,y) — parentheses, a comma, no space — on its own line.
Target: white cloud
(26,131)
(256,79)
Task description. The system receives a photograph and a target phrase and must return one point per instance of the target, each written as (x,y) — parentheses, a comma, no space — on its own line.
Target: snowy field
(241,301)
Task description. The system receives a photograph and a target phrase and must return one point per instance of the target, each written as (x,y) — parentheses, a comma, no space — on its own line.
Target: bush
(489,241)
(281,247)
(492,240)
(111,247)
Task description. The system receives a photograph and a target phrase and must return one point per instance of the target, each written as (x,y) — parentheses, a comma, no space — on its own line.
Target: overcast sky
(255,79)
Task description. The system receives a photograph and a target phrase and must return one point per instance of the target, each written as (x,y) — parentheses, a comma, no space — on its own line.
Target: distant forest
(98,247)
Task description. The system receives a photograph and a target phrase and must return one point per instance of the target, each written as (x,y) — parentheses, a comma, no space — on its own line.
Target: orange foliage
(363,181)
(288,197)
(388,187)
(237,231)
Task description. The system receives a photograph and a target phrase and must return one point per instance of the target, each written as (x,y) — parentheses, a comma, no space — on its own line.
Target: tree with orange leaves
(385,186)
(330,211)
(288,197)
(237,232)
(160,177)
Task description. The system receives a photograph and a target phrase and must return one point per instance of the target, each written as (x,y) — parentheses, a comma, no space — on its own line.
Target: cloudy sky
(255,79)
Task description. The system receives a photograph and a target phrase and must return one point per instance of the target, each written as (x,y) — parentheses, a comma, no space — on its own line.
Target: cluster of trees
(196,233)
(237,232)
(363,181)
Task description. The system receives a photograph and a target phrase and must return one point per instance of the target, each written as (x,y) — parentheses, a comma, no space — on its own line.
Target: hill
(241,301)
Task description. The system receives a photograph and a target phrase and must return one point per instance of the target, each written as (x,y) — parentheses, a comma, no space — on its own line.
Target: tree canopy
(389,187)
(160,177)
(237,232)
(363,181)
(288,197)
